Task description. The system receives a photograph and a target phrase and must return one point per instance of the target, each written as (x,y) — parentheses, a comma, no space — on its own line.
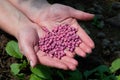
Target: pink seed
(76,45)
(63,37)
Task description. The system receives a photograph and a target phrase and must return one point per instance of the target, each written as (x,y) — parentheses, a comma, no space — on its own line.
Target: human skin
(49,16)
(27,33)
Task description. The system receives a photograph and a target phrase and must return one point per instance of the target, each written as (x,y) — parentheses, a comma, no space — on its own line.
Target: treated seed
(77,37)
(71,49)
(63,55)
(76,40)
(76,45)
(55,30)
(51,55)
(63,37)
(50,41)
(41,43)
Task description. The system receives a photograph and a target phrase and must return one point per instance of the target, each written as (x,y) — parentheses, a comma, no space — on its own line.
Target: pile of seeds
(62,37)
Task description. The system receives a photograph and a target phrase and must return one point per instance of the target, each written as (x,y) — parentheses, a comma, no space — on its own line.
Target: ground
(104,32)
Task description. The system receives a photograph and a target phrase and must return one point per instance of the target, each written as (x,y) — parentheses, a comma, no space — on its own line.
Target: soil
(106,36)
(5,60)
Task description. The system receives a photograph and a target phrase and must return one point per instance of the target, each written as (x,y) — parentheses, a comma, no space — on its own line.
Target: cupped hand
(57,14)
(50,17)
(28,43)
(28,34)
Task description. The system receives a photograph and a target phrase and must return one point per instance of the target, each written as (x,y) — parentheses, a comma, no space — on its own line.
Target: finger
(69,59)
(29,52)
(70,62)
(85,48)
(80,52)
(84,37)
(70,65)
(36,48)
(48,61)
(81,15)
(68,53)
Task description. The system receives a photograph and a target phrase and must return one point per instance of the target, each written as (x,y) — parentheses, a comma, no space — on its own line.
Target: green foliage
(41,72)
(75,75)
(98,71)
(15,68)
(13,50)
(69,75)
(35,77)
(101,71)
(115,65)
(118,77)
(59,73)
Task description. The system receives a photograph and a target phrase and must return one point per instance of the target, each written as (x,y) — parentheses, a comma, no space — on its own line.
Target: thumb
(29,52)
(80,14)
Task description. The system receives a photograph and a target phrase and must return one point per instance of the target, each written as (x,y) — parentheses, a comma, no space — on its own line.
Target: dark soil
(106,36)
(5,60)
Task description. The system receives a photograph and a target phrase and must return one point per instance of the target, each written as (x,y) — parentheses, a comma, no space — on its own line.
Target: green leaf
(24,64)
(110,77)
(75,75)
(100,70)
(118,77)
(15,68)
(42,71)
(21,76)
(34,77)
(13,50)
(88,73)
(115,65)
(60,74)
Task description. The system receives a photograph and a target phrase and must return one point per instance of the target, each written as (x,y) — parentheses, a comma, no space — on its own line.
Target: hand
(57,14)
(50,16)
(28,43)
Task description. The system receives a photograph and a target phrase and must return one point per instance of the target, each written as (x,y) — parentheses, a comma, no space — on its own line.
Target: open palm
(28,44)
(51,17)
(58,14)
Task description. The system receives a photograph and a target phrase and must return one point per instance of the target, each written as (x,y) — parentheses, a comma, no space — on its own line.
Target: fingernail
(31,63)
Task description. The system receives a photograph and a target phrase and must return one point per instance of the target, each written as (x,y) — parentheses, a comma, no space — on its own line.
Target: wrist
(36,10)
(30,7)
